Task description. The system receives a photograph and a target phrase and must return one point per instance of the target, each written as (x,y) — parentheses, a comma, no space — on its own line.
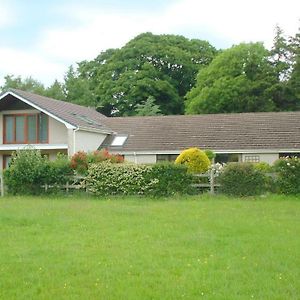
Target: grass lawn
(183,248)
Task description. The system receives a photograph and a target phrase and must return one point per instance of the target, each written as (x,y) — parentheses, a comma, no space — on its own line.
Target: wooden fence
(211,184)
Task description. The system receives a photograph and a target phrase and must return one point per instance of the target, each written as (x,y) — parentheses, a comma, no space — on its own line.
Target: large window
(25,129)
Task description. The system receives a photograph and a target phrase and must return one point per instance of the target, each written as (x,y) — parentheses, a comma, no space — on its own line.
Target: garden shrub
(118,179)
(165,179)
(195,160)
(170,179)
(58,171)
(81,160)
(210,154)
(26,173)
(288,175)
(242,179)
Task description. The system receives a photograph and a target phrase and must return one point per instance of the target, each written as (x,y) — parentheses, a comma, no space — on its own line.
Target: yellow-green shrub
(195,159)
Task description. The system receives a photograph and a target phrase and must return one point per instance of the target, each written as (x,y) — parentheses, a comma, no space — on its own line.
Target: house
(55,126)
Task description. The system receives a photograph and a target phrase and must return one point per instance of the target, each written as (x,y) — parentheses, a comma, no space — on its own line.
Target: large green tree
(161,66)
(237,80)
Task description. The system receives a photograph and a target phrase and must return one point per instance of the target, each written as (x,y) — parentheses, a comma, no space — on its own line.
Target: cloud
(93,29)
(18,62)
(6,14)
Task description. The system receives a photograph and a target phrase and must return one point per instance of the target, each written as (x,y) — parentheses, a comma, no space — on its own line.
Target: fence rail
(211,184)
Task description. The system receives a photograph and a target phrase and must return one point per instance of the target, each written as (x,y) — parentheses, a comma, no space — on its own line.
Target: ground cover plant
(138,248)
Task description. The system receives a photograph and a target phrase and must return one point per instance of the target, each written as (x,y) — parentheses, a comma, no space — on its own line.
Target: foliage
(161,66)
(56,90)
(288,172)
(58,171)
(130,179)
(148,108)
(237,80)
(81,160)
(26,173)
(263,166)
(170,179)
(118,179)
(195,159)
(29,170)
(210,154)
(242,179)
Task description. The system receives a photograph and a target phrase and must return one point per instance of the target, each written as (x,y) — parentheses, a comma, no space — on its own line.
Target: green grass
(191,248)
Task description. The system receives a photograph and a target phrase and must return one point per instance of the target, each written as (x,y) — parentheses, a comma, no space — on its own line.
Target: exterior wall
(269,158)
(58,133)
(141,158)
(87,141)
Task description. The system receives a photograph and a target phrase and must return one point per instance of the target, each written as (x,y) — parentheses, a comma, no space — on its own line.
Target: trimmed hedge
(288,175)
(195,159)
(242,179)
(129,179)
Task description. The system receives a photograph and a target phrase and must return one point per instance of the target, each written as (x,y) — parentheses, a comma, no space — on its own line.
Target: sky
(41,38)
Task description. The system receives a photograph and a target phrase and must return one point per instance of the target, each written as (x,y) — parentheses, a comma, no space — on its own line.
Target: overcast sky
(42,38)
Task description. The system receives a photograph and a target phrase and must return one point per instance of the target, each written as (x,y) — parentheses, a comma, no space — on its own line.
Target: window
(252,158)
(25,129)
(166,157)
(119,140)
(6,161)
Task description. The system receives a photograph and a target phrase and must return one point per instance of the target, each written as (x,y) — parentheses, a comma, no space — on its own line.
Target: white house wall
(88,141)
(269,158)
(58,133)
(141,158)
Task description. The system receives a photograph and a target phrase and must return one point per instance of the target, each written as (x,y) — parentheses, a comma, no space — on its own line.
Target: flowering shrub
(288,175)
(242,179)
(118,179)
(80,160)
(195,160)
(129,179)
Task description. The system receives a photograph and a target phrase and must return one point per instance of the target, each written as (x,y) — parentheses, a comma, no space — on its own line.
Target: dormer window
(119,140)
(25,128)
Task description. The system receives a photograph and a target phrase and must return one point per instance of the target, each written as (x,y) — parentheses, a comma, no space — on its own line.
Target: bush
(170,179)
(129,179)
(81,160)
(242,179)
(195,160)
(210,154)
(26,173)
(118,179)
(58,171)
(288,175)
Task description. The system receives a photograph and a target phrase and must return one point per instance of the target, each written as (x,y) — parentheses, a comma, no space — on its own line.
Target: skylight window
(119,140)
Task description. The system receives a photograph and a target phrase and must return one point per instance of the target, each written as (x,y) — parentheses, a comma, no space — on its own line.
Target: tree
(148,108)
(28,84)
(237,80)
(77,89)
(162,66)
(56,91)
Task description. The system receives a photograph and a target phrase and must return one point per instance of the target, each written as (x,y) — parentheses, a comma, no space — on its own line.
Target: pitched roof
(73,114)
(239,131)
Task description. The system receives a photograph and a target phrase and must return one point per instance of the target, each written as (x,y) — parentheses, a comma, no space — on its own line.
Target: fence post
(2,186)
(212,182)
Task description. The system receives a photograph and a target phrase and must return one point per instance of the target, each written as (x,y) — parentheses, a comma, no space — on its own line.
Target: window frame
(26,133)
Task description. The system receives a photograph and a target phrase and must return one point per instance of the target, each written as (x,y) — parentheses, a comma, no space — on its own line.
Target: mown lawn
(184,248)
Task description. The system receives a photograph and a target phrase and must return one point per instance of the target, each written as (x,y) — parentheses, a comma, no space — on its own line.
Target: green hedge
(242,179)
(129,179)
(288,175)
(29,170)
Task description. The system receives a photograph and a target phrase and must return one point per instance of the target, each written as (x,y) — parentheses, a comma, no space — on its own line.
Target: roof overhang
(68,125)
(239,151)
(14,147)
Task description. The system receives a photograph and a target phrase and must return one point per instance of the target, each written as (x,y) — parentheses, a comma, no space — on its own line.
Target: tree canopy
(249,78)
(161,66)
